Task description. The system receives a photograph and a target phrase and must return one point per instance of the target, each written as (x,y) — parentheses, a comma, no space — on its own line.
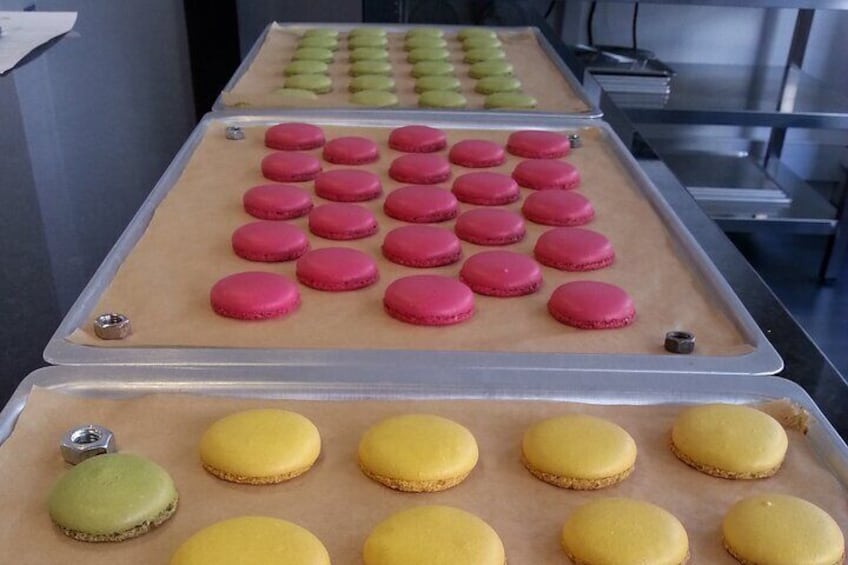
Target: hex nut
(234,133)
(112,326)
(679,342)
(574,140)
(79,444)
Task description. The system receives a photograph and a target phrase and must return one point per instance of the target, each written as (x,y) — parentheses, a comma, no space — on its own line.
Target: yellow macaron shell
(624,531)
(418,447)
(777,529)
(734,440)
(254,540)
(578,446)
(433,535)
(259,446)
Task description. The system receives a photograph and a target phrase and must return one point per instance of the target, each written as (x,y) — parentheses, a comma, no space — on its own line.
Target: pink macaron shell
(420,204)
(254,295)
(476,154)
(429,300)
(501,273)
(339,221)
(420,168)
(336,269)
(290,166)
(558,208)
(350,150)
(294,136)
(591,305)
(486,189)
(490,226)
(269,241)
(574,249)
(421,246)
(546,174)
(348,185)
(417,139)
(277,202)
(534,144)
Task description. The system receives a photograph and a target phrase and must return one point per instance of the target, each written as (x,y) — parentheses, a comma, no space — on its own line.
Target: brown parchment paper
(163,286)
(340,505)
(539,76)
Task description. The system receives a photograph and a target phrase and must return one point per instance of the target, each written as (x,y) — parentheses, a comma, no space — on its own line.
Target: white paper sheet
(24,31)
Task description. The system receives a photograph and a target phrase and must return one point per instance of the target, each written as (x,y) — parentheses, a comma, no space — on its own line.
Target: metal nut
(78,444)
(112,326)
(574,140)
(679,342)
(234,132)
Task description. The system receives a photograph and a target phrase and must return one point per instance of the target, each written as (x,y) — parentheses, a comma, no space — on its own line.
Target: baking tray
(592,111)
(763,359)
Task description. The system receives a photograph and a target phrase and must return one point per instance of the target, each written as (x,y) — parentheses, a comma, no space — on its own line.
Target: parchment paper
(163,286)
(533,67)
(340,505)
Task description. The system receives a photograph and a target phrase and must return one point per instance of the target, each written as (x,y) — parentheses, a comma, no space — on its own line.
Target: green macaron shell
(490,68)
(425,32)
(321,32)
(371,68)
(367,31)
(319,84)
(418,55)
(490,85)
(424,84)
(369,54)
(320,41)
(312,54)
(372,82)
(470,32)
(298,93)
(366,41)
(432,68)
(306,67)
(424,42)
(110,494)
(481,42)
(374,98)
(515,100)
(441,99)
(478,55)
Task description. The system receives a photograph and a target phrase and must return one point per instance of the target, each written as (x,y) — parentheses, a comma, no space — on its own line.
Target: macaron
(427,54)
(254,295)
(368,40)
(111,498)
(374,98)
(312,54)
(509,100)
(433,535)
(417,139)
(490,68)
(418,168)
(371,82)
(337,269)
(481,42)
(290,166)
(774,528)
(490,226)
(306,67)
(485,54)
(538,144)
(591,305)
(251,539)
(731,441)
(417,453)
(350,150)
(322,41)
(424,42)
(294,136)
(421,246)
(558,208)
(485,188)
(367,31)
(420,204)
(424,32)
(475,32)
(321,32)
(348,185)
(624,530)
(476,154)
(574,249)
(501,273)
(578,451)
(371,68)
(429,300)
(260,446)
(437,82)
(369,54)
(319,84)
(295,94)
(503,83)
(546,174)
(432,68)
(269,242)
(340,221)
(441,99)
(276,202)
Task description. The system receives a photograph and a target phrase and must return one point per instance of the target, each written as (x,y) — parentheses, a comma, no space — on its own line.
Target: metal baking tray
(762,360)
(593,111)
